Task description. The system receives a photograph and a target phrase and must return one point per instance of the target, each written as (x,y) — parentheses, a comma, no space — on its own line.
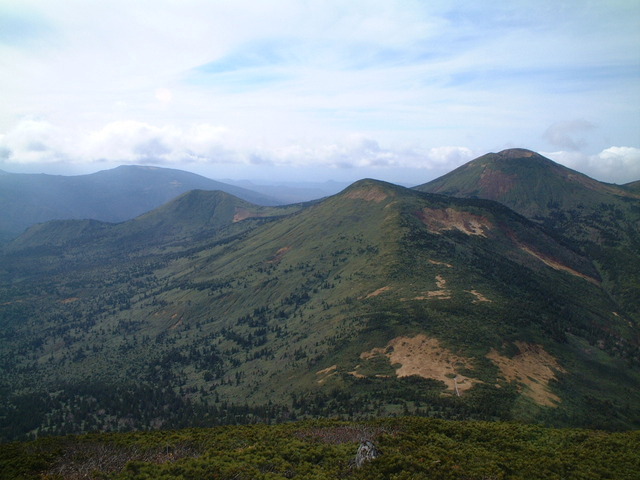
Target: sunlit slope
(599,219)
(376,301)
(527,182)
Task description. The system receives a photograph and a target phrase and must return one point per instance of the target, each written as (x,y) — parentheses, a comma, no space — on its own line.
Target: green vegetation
(112,195)
(597,219)
(411,448)
(212,311)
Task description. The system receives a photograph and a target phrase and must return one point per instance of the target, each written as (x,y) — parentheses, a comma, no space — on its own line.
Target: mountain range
(112,195)
(506,289)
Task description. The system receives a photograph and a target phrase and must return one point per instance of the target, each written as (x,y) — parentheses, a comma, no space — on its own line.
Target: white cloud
(37,142)
(32,141)
(164,95)
(450,156)
(376,84)
(569,135)
(138,142)
(614,164)
(621,164)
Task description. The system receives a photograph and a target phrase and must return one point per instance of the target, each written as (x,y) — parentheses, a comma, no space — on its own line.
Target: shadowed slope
(112,195)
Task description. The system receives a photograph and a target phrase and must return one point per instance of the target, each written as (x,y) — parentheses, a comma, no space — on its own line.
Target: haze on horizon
(402,91)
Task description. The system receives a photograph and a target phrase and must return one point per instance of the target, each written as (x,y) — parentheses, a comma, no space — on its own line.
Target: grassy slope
(599,219)
(250,311)
(526,182)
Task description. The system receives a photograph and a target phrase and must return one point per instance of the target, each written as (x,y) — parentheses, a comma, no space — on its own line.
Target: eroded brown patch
(327,370)
(532,367)
(243,214)
(326,373)
(435,262)
(555,264)
(373,193)
(378,292)
(425,357)
(440,220)
(69,300)
(494,183)
(479,296)
(177,324)
(357,374)
(279,255)
(441,294)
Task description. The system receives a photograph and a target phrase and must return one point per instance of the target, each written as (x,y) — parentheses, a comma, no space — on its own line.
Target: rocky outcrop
(367,451)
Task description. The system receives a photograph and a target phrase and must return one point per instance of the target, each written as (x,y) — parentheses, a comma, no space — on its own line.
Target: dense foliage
(410,448)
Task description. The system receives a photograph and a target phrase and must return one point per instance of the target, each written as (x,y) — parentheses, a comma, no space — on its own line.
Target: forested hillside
(378,301)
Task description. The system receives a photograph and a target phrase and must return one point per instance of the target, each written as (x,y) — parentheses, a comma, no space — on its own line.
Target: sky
(398,90)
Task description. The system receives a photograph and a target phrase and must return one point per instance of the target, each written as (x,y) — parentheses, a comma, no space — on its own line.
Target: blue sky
(398,90)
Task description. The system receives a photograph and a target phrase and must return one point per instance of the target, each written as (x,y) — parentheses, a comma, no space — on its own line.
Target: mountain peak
(135,167)
(518,178)
(520,156)
(516,153)
(370,189)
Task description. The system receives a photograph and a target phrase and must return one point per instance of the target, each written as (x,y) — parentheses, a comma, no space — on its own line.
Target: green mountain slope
(599,219)
(196,212)
(377,301)
(112,195)
(527,182)
(633,186)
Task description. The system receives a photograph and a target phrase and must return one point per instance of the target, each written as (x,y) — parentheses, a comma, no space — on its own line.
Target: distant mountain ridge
(112,195)
(293,192)
(196,212)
